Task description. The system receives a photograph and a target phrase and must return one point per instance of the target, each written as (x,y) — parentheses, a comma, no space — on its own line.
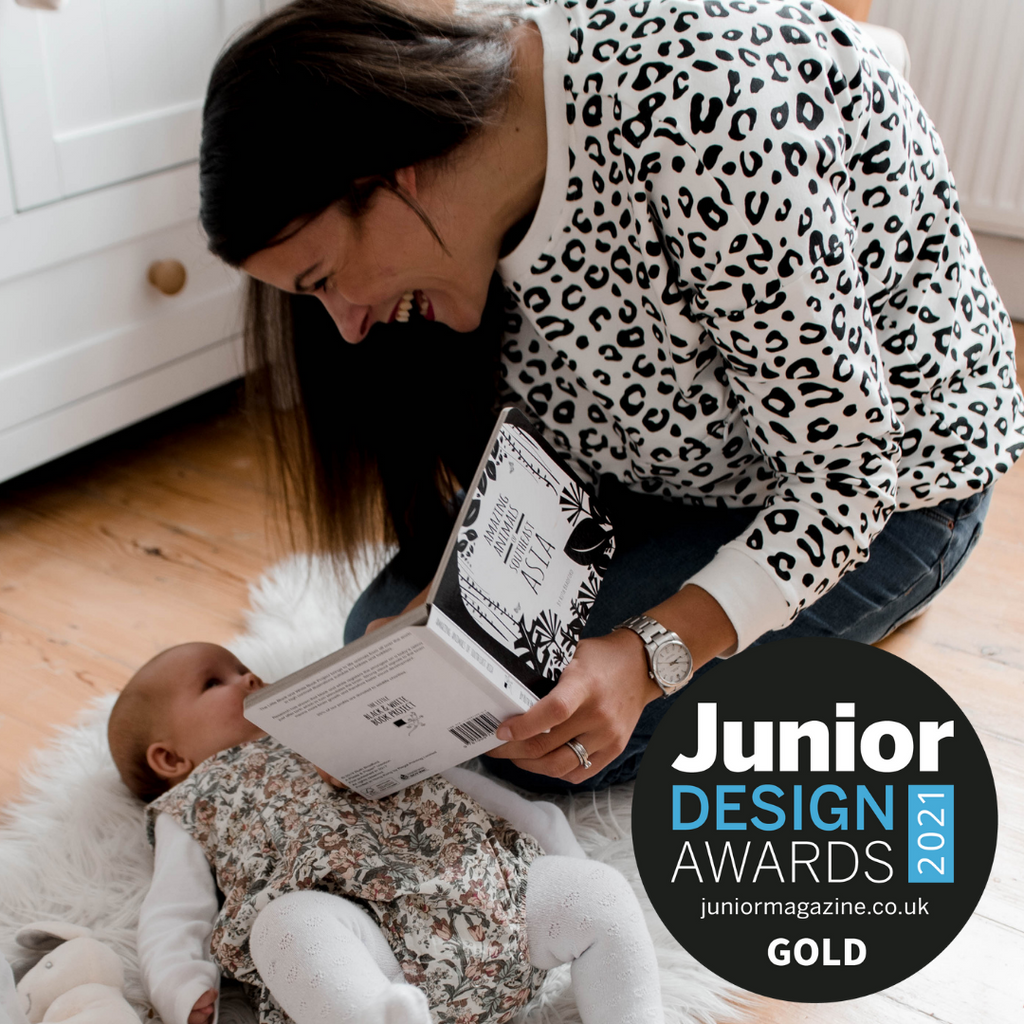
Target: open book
(502,619)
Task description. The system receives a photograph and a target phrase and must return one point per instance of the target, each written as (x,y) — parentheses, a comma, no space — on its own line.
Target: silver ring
(580,751)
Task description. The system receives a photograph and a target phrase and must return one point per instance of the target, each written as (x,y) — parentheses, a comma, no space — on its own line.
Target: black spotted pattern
(749,281)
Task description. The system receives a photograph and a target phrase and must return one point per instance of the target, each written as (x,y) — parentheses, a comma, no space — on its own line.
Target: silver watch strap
(655,635)
(645,627)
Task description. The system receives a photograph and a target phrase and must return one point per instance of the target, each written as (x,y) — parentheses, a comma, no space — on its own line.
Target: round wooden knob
(169,276)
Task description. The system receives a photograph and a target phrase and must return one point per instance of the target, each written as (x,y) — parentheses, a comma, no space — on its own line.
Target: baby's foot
(405,1004)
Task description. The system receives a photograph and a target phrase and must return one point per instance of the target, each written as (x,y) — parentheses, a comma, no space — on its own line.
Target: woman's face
(365,268)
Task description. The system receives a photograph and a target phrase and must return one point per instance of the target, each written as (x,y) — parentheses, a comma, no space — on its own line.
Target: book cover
(526,558)
(518,578)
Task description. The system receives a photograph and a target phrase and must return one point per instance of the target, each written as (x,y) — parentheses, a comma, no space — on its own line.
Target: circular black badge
(814,819)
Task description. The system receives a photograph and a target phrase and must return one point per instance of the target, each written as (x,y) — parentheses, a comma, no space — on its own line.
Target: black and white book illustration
(524,567)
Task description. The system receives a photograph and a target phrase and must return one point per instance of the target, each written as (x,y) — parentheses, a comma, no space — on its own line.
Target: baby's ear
(167,762)
(405,178)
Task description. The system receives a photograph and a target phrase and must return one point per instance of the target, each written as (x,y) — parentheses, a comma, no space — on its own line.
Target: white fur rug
(73,847)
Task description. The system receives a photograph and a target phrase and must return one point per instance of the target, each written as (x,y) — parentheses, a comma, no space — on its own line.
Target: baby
(434,904)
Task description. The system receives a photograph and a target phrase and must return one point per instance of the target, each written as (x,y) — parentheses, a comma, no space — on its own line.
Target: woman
(736,290)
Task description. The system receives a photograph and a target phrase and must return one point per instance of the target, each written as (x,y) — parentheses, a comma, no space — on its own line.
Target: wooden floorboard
(152,537)
(109,555)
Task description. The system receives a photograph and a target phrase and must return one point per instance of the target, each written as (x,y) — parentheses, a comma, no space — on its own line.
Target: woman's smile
(407,303)
(380,266)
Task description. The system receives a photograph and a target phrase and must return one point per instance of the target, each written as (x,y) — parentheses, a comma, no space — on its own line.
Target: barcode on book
(474,729)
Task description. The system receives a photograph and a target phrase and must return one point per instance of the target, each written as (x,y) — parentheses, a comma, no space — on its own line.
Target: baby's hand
(203,1010)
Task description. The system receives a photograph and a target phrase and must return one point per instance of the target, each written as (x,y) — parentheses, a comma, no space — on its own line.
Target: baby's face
(207,685)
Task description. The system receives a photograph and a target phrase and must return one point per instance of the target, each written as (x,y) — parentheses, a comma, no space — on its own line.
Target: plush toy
(10,1005)
(70,976)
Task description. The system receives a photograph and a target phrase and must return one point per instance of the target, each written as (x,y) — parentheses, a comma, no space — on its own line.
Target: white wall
(967,66)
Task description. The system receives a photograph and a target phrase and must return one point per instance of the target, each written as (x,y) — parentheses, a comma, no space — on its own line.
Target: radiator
(967,66)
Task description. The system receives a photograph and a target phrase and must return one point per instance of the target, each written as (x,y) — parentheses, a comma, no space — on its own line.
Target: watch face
(672,664)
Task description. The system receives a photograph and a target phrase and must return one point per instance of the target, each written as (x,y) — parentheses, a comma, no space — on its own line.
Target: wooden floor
(139,542)
(151,537)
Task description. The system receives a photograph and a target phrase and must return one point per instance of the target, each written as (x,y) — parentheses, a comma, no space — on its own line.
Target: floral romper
(445,879)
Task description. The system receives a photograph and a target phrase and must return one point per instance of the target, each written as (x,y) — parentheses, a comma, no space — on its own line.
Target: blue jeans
(660,544)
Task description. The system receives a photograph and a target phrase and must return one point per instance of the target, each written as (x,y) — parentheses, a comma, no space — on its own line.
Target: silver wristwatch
(669,662)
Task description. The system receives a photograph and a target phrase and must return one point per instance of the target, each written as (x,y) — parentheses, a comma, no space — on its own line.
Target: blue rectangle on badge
(930,834)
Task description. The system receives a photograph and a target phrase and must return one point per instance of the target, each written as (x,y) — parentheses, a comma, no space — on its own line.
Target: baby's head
(180,708)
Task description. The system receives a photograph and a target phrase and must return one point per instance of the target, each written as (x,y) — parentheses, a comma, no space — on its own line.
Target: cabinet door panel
(6,195)
(128,148)
(61,430)
(103,91)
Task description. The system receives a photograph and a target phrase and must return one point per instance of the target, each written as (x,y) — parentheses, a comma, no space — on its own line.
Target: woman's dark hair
(323,100)
(369,441)
(320,103)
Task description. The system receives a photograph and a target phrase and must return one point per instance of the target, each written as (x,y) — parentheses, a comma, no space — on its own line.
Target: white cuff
(187,996)
(747,593)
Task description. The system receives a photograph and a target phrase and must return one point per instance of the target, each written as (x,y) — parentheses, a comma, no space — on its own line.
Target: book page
(344,682)
(464,645)
(398,710)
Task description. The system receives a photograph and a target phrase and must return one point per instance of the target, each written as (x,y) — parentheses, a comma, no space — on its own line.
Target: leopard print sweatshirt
(749,283)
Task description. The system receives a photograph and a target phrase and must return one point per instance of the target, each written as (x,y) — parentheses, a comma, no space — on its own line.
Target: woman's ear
(167,762)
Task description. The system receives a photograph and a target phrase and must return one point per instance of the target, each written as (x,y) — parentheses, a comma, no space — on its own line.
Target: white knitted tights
(325,959)
(584,912)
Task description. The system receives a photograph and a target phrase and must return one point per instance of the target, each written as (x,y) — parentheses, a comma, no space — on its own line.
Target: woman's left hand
(597,702)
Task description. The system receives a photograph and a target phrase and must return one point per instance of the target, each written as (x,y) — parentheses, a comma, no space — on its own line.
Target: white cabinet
(6,194)
(100,107)
(106,90)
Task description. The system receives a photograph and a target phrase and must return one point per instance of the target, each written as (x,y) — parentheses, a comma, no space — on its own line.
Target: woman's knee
(388,594)
(912,560)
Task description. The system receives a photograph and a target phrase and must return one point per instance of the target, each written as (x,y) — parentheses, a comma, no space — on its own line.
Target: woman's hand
(203,1010)
(597,702)
(602,691)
